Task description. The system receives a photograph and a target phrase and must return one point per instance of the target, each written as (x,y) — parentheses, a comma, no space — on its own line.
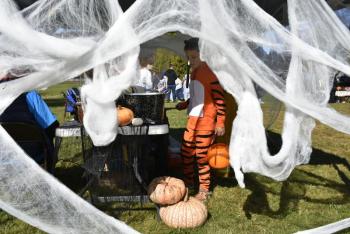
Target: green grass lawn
(315,194)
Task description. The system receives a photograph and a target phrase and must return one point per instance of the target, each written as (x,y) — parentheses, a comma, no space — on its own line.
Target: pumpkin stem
(186,195)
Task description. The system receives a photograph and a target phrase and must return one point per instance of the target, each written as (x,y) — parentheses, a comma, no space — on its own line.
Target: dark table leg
(137,174)
(161,153)
(58,141)
(82,134)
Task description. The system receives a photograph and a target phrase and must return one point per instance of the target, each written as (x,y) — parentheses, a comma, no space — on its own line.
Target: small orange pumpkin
(166,190)
(125,115)
(218,156)
(189,213)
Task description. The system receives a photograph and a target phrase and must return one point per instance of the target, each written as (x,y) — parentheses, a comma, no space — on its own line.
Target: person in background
(171,76)
(162,85)
(186,88)
(30,108)
(155,79)
(206,118)
(179,90)
(145,79)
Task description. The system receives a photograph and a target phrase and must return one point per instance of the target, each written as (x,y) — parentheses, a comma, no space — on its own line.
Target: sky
(343,14)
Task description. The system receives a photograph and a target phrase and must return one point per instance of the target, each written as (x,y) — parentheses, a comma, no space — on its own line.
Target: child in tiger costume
(206,119)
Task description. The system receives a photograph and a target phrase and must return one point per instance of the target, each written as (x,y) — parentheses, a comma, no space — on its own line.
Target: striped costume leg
(188,152)
(203,141)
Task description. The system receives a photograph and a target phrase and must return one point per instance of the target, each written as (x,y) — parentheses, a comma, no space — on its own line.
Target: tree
(164,57)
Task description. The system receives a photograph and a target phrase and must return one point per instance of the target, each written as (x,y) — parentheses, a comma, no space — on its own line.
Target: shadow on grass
(257,201)
(72,177)
(318,157)
(294,189)
(342,175)
(116,212)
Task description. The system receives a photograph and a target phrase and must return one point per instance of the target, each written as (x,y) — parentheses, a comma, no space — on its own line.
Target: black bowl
(148,106)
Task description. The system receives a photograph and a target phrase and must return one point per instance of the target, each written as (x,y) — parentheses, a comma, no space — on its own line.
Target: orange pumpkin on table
(218,156)
(125,115)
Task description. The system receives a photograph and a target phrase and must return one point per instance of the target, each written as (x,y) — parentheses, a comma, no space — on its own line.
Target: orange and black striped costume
(206,111)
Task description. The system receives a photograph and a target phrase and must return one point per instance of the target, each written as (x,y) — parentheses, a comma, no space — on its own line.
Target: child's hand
(181,106)
(220,131)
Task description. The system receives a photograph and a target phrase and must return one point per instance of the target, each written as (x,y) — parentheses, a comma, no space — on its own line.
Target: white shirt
(162,85)
(145,78)
(196,104)
(178,84)
(186,91)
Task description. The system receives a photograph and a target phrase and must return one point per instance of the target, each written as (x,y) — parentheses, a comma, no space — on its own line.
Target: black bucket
(148,106)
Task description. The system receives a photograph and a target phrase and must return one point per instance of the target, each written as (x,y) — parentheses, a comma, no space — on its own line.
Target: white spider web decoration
(61,39)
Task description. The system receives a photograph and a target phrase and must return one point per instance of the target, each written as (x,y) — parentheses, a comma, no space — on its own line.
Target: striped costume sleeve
(217,93)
